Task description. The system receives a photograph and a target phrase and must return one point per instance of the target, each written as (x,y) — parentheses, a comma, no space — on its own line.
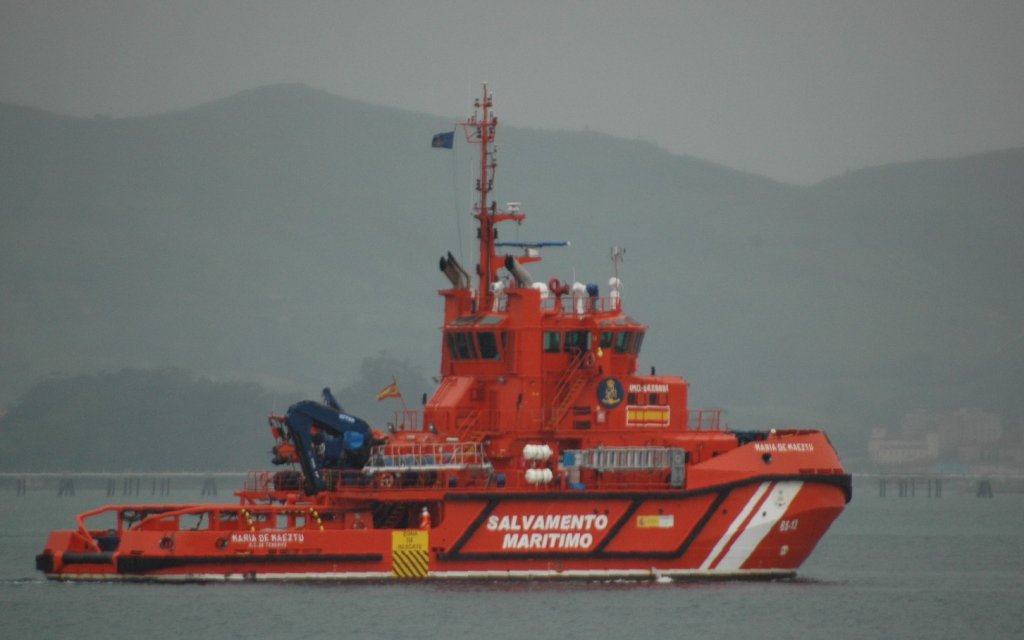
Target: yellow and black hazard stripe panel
(410,556)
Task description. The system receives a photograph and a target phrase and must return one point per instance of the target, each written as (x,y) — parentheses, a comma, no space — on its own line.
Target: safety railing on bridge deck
(406,420)
(581,305)
(567,304)
(704,420)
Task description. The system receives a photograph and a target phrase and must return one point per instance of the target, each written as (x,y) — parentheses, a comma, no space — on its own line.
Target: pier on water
(931,486)
(123,484)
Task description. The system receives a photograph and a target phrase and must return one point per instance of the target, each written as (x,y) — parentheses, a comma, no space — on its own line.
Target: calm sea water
(949,567)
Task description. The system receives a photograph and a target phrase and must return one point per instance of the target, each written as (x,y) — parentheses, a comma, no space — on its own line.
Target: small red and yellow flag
(390,391)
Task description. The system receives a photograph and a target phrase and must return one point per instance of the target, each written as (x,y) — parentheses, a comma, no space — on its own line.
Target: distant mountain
(166,419)
(284,234)
(131,420)
(237,237)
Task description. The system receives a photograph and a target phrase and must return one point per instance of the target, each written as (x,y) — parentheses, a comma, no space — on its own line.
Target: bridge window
(607,338)
(470,345)
(577,341)
(461,345)
(637,342)
(488,345)
(467,348)
(629,341)
(552,342)
(622,341)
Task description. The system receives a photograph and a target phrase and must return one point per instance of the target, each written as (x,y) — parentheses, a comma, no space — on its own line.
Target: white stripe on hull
(737,521)
(778,501)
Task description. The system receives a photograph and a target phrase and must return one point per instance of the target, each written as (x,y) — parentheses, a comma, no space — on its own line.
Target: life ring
(167,543)
(386,480)
(557,288)
(221,543)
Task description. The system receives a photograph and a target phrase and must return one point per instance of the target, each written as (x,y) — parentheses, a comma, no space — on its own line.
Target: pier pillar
(131,486)
(66,487)
(209,487)
(985,488)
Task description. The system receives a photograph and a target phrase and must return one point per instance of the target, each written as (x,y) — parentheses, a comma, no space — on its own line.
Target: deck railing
(568,305)
(426,457)
(704,419)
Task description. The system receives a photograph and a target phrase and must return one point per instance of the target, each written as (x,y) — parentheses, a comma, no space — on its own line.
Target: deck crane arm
(324,438)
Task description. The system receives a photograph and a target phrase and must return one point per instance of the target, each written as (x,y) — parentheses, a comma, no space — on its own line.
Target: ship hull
(763,527)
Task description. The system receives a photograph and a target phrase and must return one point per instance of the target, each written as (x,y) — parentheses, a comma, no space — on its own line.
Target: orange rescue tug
(542,454)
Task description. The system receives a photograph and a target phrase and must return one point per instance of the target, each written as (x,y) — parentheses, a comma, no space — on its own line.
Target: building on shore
(970,439)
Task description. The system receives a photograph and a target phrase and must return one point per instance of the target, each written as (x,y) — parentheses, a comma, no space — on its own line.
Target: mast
(481,129)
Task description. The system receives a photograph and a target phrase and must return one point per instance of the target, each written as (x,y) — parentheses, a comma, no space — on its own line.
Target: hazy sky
(795,90)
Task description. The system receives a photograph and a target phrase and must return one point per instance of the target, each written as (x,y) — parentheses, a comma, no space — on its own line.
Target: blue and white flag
(444,140)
